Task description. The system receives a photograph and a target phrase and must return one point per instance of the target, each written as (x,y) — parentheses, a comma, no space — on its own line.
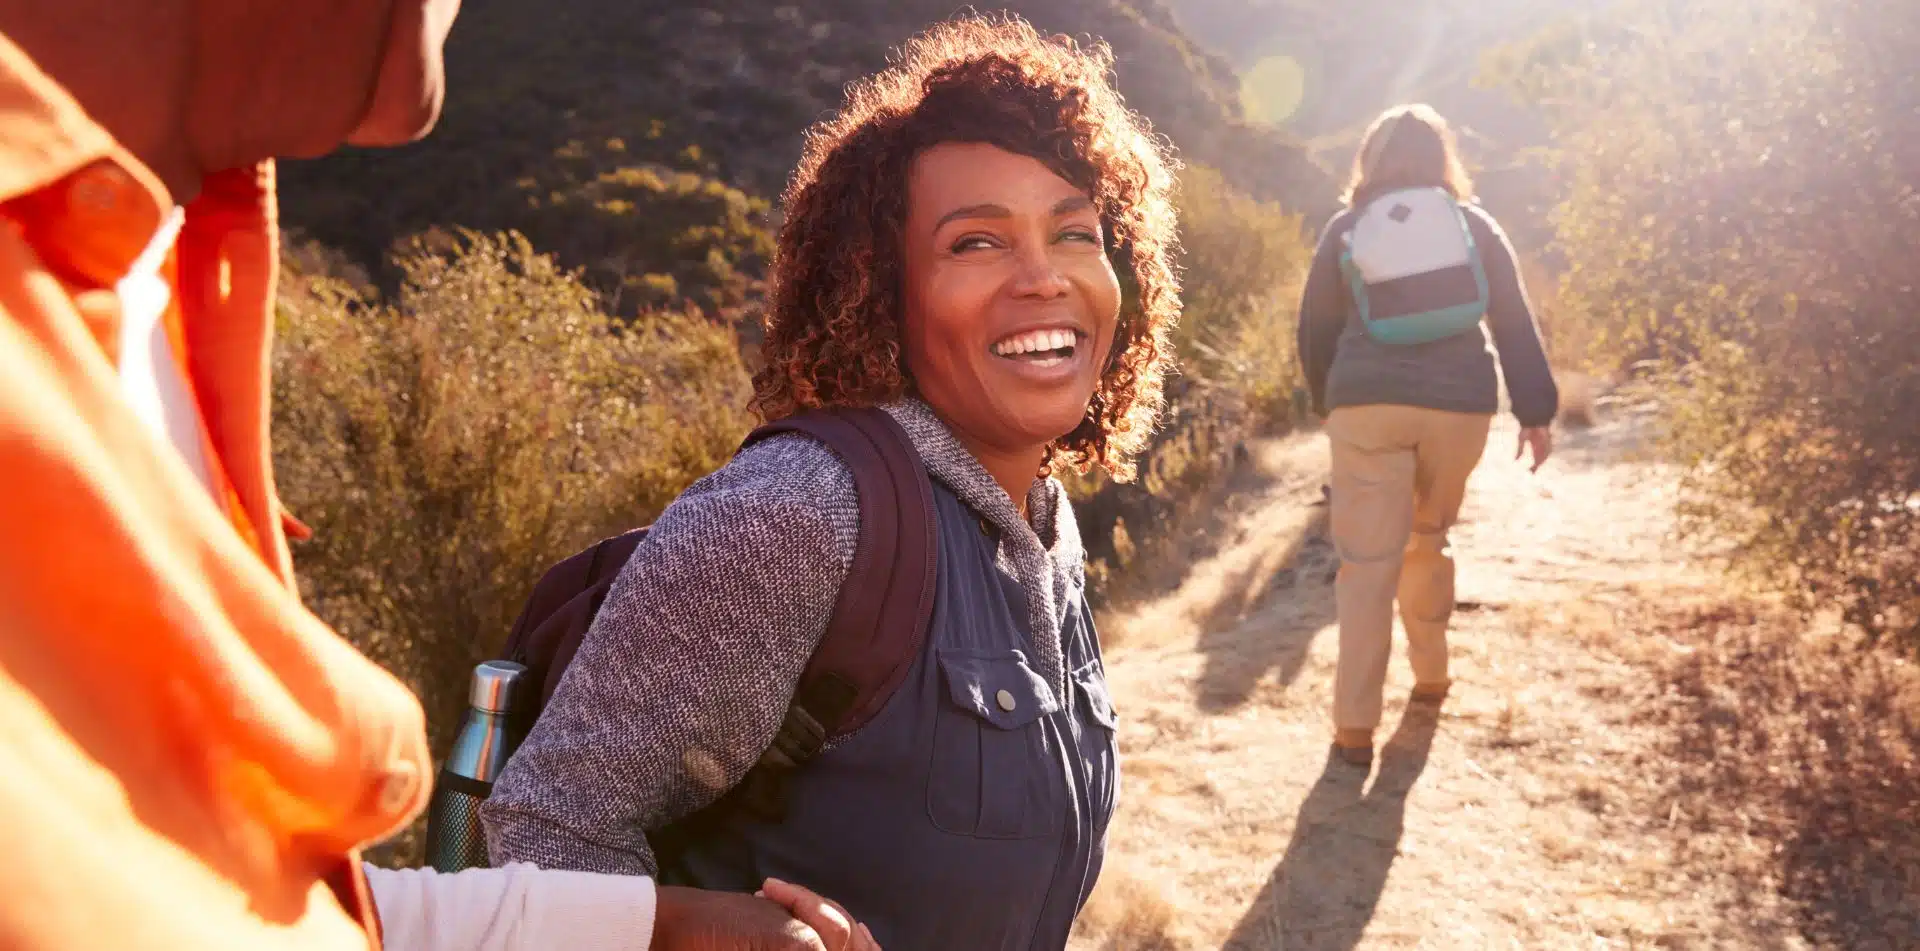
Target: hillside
(644,140)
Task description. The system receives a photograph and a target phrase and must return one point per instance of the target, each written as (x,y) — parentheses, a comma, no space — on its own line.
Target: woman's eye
(972,243)
(1081,234)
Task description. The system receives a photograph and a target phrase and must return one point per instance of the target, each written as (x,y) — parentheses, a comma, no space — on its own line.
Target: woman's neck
(1015,471)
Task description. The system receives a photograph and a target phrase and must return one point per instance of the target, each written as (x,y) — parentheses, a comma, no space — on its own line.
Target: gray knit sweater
(689,667)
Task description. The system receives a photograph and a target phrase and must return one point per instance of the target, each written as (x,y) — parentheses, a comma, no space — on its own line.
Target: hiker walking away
(950,254)
(1412,293)
(188,758)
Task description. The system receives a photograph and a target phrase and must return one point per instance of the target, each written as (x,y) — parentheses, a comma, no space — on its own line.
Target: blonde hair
(1409,146)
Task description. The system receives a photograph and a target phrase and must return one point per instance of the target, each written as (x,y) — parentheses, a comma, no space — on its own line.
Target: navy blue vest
(971,814)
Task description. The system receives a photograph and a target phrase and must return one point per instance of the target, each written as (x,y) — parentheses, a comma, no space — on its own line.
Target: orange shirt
(188,758)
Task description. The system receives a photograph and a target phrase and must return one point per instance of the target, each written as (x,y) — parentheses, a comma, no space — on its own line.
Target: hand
(836,928)
(1540,438)
(694,919)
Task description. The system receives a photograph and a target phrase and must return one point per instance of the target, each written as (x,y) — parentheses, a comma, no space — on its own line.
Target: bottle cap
(493,686)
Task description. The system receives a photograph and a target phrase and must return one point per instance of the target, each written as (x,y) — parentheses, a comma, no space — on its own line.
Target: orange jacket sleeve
(183,748)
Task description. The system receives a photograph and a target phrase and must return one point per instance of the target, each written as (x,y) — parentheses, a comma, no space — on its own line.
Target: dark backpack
(878,625)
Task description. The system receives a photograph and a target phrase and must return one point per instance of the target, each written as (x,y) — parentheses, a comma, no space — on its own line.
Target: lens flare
(1274,88)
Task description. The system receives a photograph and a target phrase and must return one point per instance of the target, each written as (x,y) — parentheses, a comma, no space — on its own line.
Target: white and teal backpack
(1414,267)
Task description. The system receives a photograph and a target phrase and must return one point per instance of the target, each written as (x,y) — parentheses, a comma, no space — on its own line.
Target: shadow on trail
(1272,607)
(1326,888)
(1269,626)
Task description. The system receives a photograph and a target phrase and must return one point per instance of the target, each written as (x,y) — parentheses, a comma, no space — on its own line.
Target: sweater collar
(1052,529)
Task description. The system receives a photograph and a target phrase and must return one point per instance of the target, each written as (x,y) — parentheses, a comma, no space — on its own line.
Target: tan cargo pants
(1399,476)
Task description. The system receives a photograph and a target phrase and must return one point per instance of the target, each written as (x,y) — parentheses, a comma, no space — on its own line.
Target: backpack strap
(557,616)
(880,617)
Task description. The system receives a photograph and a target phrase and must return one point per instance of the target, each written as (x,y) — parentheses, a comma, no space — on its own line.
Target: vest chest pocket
(996,770)
(1091,682)
(1099,747)
(1090,678)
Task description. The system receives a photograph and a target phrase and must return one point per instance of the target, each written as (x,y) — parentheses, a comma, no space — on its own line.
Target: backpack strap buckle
(803,734)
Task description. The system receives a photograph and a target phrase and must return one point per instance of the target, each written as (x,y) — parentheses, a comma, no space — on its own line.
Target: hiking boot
(1359,757)
(1354,747)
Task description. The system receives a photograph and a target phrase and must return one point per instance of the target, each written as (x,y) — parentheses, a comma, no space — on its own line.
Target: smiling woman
(978,245)
(1014,150)
(1010,302)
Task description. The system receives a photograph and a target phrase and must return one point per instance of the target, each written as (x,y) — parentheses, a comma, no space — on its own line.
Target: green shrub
(648,235)
(449,444)
(1741,215)
(1244,263)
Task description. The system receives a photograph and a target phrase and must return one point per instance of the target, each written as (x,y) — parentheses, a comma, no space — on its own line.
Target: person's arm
(519,907)
(1516,335)
(1323,312)
(144,636)
(687,672)
(514,908)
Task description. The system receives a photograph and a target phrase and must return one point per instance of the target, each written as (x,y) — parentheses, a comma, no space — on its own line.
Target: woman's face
(1011,301)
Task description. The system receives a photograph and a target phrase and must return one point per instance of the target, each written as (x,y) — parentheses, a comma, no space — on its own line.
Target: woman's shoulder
(1339,223)
(789,464)
(788,482)
(1482,219)
(1491,239)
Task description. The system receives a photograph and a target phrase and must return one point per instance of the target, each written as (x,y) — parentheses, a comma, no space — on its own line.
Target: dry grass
(1792,753)
(1270,535)
(1628,761)
(1129,914)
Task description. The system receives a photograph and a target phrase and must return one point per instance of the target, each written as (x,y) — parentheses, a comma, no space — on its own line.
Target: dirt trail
(1528,816)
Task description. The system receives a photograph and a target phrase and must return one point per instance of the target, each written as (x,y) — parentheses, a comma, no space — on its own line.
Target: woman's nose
(1039,276)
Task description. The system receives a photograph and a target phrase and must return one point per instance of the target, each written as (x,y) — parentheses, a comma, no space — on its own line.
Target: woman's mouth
(1039,348)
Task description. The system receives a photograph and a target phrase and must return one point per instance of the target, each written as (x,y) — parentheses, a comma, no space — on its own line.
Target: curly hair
(835,300)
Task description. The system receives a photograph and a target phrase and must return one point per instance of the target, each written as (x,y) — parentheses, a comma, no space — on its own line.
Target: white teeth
(1034,341)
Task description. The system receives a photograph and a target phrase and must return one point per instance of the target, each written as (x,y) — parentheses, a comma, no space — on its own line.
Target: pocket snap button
(1005,699)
